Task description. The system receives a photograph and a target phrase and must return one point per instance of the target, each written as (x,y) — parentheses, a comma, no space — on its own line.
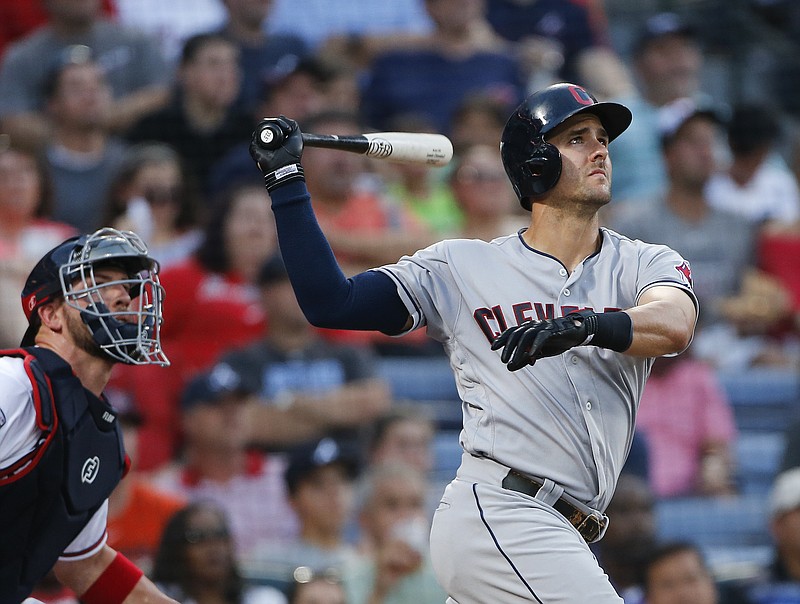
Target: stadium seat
(419,378)
(763,399)
(758,457)
(714,522)
(426,381)
(446,454)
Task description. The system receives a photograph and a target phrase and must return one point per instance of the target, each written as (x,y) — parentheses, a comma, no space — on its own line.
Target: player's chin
(599,196)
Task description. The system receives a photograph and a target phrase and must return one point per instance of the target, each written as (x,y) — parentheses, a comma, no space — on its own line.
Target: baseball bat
(404,147)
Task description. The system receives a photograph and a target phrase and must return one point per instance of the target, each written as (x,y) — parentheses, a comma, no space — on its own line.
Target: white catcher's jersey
(569,418)
(19,435)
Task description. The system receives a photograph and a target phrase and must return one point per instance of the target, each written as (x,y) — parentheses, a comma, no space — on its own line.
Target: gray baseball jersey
(569,418)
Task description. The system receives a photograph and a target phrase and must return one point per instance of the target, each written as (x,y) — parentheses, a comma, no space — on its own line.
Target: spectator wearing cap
(217,464)
(757,183)
(135,69)
(740,305)
(780,583)
(137,511)
(320,480)
(666,62)
(259,53)
(719,245)
(306,386)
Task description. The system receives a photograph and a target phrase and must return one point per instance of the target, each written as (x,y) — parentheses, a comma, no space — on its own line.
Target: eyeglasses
(162,195)
(194,536)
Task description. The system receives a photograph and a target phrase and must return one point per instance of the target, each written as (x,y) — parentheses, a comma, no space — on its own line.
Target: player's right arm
(107,577)
(367,301)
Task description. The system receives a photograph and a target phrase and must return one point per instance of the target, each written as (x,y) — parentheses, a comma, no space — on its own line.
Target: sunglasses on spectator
(194,536)
(162,195)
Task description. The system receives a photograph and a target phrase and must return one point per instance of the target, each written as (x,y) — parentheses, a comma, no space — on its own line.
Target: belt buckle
(591,527)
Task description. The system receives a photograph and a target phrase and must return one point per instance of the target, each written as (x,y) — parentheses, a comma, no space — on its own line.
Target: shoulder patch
(686,272)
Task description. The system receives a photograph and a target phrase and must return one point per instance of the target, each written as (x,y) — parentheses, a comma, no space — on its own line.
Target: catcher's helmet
(533,165)
(131,336)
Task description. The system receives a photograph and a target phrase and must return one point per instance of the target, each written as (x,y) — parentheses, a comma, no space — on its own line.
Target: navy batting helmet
(131,336)
(533,165)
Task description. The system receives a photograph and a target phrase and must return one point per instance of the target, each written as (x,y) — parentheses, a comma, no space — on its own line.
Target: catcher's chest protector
(49,497)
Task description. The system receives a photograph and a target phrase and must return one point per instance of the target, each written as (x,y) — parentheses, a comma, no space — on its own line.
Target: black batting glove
(277,146)
(533,340)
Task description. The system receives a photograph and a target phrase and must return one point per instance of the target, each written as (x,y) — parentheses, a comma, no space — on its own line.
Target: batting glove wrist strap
(612,330)
(283,175)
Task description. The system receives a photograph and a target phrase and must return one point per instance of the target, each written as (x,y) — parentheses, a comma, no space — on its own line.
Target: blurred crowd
(272,462)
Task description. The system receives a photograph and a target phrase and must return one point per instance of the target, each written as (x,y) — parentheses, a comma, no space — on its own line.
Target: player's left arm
(663,322)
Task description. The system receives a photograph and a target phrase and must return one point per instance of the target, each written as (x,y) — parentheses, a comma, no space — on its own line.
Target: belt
(589,524)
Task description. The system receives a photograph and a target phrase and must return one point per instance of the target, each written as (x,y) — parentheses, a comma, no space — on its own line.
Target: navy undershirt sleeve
(367,301)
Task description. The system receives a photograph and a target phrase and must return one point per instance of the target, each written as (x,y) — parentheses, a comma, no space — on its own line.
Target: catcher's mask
(532,164)
(131,336)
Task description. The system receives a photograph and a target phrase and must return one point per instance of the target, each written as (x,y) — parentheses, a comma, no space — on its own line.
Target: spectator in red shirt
(211,306)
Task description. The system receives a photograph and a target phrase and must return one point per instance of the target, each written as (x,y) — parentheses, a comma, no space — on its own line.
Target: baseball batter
(551,333)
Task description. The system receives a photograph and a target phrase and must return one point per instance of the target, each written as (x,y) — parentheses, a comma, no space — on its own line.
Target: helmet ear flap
(542,169)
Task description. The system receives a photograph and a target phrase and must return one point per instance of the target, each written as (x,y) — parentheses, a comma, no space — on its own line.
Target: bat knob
(270,136)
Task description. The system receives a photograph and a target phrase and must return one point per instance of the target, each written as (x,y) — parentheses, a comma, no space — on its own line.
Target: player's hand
(528,342)
(277,146)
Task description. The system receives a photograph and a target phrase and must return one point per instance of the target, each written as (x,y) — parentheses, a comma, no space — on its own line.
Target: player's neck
(93,372)
(568,239)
